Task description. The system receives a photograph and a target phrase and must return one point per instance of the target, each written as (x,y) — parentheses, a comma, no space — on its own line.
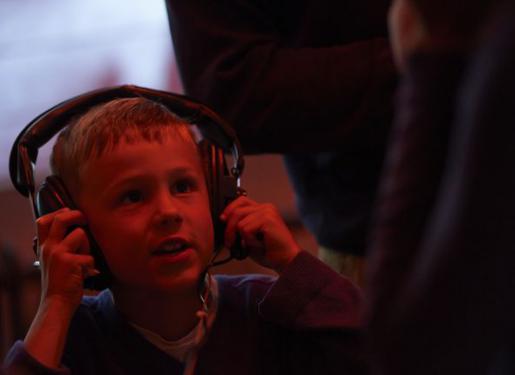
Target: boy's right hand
(64,257)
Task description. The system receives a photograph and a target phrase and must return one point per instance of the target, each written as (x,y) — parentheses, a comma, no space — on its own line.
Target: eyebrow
(137,177)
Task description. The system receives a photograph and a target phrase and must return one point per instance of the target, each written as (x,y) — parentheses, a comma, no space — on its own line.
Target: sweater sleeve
(321,310)
(282,97)
(310,295)
(19,361)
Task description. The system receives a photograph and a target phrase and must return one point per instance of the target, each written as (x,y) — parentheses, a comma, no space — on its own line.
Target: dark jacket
(441,294)
(308,78)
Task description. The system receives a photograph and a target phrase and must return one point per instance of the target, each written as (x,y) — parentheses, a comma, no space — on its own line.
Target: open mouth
(171,247)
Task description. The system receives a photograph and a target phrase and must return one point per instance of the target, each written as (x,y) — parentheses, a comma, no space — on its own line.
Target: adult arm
(411,179)
(453,311)
(280,95)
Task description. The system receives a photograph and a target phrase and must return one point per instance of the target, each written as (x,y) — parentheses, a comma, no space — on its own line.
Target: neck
(171,315)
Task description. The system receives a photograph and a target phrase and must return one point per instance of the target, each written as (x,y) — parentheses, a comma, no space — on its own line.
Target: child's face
(148,208)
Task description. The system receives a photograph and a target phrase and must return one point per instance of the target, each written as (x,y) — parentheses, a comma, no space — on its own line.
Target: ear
(407,31)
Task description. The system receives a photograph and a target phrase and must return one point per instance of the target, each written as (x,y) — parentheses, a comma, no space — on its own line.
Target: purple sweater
(304,322)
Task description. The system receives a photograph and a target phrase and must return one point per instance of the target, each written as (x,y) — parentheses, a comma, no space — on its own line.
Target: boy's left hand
(263,232)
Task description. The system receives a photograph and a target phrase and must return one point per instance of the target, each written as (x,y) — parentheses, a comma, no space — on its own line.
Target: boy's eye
(182,186)
(132,196)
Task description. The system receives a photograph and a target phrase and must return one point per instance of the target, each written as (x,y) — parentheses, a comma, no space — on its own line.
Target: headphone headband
(40,130)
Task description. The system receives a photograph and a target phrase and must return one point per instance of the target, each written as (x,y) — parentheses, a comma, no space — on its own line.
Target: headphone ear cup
(52,196)
(219,171)
(212,176)
(222,190)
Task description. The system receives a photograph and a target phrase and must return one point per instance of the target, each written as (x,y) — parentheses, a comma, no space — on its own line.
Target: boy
(135,172)
(441,290)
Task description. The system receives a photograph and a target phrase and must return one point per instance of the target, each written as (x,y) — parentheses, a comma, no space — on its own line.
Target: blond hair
(104,126)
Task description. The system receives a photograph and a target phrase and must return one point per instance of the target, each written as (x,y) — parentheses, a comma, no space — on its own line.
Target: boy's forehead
(170,152)
(173,138)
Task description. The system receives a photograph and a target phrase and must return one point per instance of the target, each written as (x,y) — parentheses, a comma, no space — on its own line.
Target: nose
(167,212)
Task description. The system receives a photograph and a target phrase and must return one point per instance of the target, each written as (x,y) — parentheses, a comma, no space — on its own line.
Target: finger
(76,241)
(232,221)
(87,263)
(277,247)
(239,202)
(67,262)
(251,229)
(80,260)
(81,265)
(63,222)
(74,244)
(264,224)
(44,222)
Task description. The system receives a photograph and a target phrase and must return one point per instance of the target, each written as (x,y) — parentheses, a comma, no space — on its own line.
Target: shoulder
(245,281)
(95,317)
(100,338)
(96,306)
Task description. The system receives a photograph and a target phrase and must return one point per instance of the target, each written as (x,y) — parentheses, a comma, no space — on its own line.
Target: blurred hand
(406,30)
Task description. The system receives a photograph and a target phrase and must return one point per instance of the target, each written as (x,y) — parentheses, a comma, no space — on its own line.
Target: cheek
(207,229)
(115,240)
(202,224)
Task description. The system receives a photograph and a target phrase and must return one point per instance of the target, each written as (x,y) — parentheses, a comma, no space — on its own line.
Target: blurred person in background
(309,79)
(441,286)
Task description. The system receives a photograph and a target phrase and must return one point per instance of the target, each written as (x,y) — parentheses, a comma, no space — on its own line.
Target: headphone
(218,139)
